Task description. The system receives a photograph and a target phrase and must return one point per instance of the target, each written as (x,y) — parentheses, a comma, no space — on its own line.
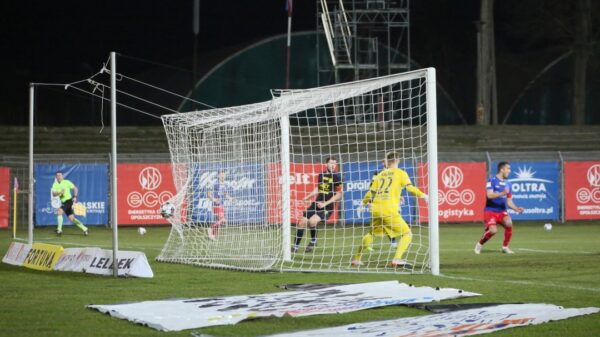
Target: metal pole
(113,163)
(494,103)
(479,120)
(30,208)
(408,56)
(196,29)
(289,46)
(14,213)
(285,187)
(562,187)
(432,161)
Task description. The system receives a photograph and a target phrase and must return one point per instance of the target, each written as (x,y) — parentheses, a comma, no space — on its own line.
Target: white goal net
(248,177)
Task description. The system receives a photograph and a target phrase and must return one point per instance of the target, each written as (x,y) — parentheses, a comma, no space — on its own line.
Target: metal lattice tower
(364,39)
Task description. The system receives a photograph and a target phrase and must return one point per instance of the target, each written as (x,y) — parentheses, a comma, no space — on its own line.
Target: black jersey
(328,184)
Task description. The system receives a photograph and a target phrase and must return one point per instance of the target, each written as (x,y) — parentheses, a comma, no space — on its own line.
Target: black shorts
(323,213)
(67,207)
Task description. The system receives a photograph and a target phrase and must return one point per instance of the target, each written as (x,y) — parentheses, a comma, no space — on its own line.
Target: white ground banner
(89,260)
(130,263)
(76,259)
(456,323)
(16,253)
(176,315)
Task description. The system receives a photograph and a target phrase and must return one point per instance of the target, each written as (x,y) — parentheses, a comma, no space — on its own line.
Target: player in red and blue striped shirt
(218,195)
(498,193)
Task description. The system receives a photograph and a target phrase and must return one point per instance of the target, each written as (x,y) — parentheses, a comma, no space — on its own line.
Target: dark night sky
(62,41)
(49,41)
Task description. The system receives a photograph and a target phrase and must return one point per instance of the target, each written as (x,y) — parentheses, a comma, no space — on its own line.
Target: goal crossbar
(244,177)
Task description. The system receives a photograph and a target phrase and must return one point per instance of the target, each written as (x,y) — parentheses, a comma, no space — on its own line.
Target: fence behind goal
(234,210)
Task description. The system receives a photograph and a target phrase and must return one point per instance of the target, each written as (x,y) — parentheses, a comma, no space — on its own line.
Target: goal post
(434,236)
(246,176)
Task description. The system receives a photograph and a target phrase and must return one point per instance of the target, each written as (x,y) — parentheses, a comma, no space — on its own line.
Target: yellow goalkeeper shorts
(389,223)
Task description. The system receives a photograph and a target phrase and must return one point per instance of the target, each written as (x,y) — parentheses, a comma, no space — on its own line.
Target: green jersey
(65,187)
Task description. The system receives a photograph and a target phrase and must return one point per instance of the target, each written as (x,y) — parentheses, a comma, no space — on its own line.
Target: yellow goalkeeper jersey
(386,189)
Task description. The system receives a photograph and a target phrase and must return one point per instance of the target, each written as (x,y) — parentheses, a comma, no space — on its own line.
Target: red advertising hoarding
(142,189)
(4,196)
(461,191)
(582,190)
(303,180)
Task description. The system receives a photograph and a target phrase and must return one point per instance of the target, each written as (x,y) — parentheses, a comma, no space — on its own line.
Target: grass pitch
(561,267)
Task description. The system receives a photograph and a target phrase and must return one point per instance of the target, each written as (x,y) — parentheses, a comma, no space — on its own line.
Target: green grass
(560,267)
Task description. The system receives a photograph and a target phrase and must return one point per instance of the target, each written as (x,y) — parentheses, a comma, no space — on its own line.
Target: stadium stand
(450,139)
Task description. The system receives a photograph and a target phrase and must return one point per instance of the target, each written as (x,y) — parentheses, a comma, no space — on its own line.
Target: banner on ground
(16,253)
(303,181)
(130,263)
(91,260)
(4,196)
(461,191)
(582,190)
(244,186)
(176,315)
(142,189)
(76,259)
(91,181)
(535,187)
(357,181)
(42,256)
(456,323)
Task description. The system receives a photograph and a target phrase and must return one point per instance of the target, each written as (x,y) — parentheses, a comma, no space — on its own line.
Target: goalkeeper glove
(361,210)
(426,198)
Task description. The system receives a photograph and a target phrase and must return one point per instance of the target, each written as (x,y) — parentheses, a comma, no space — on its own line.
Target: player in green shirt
(62,188)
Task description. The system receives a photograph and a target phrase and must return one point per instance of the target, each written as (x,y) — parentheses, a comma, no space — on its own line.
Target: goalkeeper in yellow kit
(384,197)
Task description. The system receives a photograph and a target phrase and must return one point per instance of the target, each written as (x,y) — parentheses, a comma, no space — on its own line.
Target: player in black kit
(328,192)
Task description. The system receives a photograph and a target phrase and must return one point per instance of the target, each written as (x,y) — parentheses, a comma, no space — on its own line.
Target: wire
(146,101)
(85,96)
(98,86)
(133,96)
(167,91)
(161,89)
(121,104)
(66,85)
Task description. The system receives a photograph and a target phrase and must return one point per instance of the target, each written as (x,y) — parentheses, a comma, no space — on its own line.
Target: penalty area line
(530,283)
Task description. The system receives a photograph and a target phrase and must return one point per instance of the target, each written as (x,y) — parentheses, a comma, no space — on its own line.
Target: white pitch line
(536,283)
(469,249)
(557,251)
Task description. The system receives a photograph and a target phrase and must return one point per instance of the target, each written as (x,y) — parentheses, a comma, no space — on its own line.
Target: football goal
(246,175)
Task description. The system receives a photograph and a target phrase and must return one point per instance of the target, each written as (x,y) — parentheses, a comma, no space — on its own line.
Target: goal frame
(413,98)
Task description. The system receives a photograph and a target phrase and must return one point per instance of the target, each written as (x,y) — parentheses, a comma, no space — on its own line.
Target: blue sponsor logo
(244,186)
(535,187)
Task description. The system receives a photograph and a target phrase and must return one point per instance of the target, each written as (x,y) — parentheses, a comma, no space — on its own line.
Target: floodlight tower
(364,38)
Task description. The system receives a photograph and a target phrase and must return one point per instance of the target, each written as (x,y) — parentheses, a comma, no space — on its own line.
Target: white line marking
(557,251)
(469,249)
(536,283)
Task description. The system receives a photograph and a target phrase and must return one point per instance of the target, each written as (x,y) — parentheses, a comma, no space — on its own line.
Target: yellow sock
(366,245)
(79,224)
(59,223)
(405,241)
